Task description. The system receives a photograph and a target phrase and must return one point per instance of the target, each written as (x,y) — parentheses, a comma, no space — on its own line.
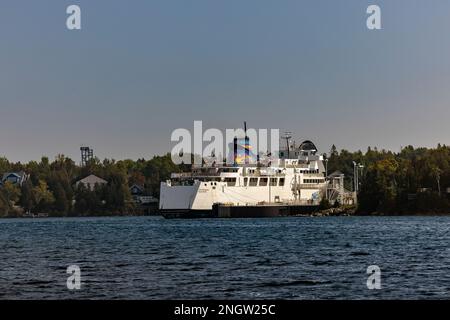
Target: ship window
(281,182)
(273,182)
(263,182)
(253,182)
(230,181)
(245,182)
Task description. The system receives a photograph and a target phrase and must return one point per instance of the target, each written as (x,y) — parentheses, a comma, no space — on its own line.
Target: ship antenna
(246,144)
(287,136)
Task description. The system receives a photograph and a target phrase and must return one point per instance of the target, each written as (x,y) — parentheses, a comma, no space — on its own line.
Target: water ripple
(286,258)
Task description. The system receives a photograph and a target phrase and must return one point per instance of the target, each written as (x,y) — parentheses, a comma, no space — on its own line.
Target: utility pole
(356,167)
(437,173)
(326,175)
(360,166)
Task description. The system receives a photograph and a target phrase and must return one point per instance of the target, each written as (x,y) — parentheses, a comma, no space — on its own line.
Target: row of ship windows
(263,182)
(309,171)
(253,182)
(252,171)
(313,180)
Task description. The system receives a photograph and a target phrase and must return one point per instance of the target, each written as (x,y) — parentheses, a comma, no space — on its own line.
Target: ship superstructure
(295,178)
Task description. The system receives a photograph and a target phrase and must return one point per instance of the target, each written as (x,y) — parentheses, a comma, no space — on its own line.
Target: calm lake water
(288,258)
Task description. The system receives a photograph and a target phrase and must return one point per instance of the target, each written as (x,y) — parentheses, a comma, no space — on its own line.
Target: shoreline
(323,213)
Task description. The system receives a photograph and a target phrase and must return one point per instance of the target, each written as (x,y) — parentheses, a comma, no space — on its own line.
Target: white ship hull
(203,195)
(287,181)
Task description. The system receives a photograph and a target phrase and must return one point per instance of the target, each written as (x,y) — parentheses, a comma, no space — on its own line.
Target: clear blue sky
(139,69)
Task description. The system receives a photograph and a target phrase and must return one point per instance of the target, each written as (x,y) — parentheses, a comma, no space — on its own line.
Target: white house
(91,181)
(16,178)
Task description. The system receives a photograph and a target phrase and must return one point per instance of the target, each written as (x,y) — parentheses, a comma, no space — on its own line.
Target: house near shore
(141,197)
(147,200)
(137,190)
(91,181)
(15,178)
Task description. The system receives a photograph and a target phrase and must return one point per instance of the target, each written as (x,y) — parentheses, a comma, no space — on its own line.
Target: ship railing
(192,175)
(180,175)
(266,203)
(311,185)
(264,174)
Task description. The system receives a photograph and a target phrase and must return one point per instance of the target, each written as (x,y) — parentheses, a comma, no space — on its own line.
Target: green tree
(43,197)
(61,205)
(11,192)
(4,206)
(27,200)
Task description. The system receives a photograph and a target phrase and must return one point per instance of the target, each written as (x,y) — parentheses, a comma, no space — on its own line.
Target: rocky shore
(331,212)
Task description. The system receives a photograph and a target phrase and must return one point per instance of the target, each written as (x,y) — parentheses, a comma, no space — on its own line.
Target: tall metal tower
(87,154)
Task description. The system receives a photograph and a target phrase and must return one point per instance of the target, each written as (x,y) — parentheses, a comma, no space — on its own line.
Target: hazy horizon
(135,72)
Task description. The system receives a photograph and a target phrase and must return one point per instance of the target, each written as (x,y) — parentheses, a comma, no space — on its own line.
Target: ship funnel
(241,148)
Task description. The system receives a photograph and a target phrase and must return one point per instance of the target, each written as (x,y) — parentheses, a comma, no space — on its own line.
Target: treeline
(411,181)
(408,182)
(51,186)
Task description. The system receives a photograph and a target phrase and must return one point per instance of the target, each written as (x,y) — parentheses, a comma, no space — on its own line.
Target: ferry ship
(294,183)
